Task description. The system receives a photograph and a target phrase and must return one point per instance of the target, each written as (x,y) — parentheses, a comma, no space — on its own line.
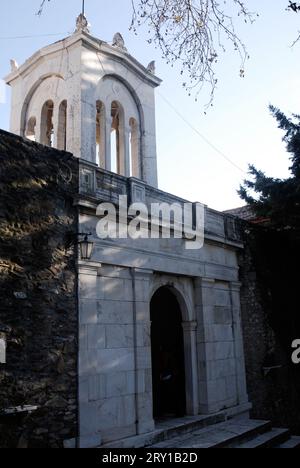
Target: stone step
(168,429)
(268,440)
(292,443)
(222,435)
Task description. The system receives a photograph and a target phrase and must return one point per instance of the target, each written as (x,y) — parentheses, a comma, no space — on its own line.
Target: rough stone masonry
(38,290)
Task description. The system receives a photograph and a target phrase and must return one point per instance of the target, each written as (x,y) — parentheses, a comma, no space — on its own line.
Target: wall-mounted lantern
(86,247)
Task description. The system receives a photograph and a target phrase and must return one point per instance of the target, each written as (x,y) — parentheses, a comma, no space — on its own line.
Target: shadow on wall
(271,322)
(38,294)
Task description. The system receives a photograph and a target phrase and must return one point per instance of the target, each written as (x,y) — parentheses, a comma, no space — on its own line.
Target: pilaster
(142,324)
(235,288)
(191,371)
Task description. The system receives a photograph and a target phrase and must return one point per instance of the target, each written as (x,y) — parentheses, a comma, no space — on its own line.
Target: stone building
(137,298)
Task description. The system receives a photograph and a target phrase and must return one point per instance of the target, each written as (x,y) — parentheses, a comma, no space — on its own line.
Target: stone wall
(106,362)
(38,292)
(220,356)
(271,322)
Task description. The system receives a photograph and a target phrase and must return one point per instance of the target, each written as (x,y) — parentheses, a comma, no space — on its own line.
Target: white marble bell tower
(90,98)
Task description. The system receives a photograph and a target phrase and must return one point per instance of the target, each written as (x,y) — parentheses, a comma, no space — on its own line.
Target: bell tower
(90,98)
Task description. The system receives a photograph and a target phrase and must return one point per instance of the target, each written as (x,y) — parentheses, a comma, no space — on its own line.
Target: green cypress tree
(278,200)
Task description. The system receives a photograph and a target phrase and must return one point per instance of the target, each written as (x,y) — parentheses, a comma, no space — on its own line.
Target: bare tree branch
(193,33)
(296,40)
(293,6)
(40,11)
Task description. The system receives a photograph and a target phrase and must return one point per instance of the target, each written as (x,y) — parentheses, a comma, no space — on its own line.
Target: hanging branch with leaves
(193,33)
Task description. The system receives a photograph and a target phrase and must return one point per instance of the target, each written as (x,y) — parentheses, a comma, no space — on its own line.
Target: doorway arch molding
(183,290)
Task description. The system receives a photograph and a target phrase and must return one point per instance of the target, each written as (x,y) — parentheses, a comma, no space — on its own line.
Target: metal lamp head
(86,248)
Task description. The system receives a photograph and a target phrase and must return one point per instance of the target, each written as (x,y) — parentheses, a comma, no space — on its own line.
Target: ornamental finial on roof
(151,67)
(118,41)
(14,65)
(82,24)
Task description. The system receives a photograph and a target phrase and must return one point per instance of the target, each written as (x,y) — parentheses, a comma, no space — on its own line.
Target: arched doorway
(168,362)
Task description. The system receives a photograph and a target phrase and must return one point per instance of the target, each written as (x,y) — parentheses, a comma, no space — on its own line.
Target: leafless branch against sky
(194,33)
(40,11)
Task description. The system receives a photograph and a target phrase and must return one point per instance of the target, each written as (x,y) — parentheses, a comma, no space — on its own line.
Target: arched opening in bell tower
(47,130)
(31,129)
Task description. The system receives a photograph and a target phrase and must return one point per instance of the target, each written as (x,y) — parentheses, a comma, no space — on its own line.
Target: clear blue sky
(239,124)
